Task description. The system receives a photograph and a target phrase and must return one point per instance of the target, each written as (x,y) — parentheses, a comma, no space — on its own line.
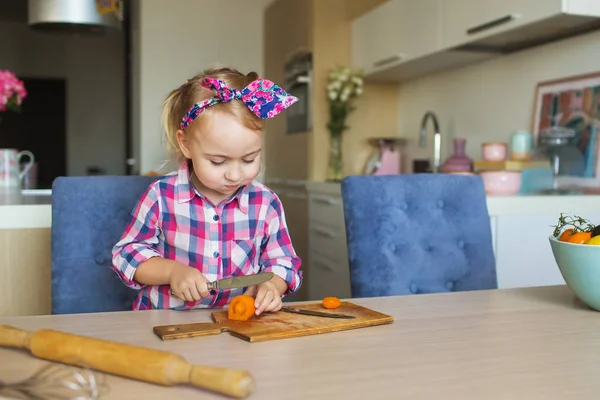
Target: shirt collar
(184,190)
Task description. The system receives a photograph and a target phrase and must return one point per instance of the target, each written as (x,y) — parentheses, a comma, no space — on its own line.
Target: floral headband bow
(264,98)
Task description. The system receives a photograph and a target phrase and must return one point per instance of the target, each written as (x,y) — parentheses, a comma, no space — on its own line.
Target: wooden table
(534,343)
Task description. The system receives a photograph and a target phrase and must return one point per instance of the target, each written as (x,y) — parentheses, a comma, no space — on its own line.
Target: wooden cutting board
(278,325)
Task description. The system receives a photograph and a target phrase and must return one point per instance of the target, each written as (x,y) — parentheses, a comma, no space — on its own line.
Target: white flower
(346,92)
(332,95)
(359,91)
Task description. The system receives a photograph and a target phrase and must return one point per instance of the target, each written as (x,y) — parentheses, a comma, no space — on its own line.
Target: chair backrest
(89,215)
(417,233)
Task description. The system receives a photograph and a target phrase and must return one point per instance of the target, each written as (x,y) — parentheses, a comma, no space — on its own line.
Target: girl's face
(225,154)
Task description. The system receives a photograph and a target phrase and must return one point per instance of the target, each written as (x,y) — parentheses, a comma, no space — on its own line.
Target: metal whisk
(57,382)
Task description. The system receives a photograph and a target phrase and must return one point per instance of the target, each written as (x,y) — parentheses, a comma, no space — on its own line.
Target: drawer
(327,210)
(330,241)
(328,278)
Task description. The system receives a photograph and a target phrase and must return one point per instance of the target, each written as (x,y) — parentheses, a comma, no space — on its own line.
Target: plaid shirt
(243,235)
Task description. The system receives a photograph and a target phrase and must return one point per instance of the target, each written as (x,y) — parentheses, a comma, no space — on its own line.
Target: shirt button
(216,254)
(215,218)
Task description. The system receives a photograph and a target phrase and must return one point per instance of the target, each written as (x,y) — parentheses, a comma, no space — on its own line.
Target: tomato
(566,235)
(331,302)
(580,237)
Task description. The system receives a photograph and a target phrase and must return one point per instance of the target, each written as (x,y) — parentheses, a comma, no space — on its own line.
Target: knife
(239,281)
(315,313)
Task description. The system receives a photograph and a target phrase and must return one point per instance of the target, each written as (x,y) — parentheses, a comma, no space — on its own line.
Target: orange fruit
(331,302)
(580,237)
(566,235)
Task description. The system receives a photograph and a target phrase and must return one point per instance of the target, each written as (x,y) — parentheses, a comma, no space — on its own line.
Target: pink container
(501,183)
(494,151)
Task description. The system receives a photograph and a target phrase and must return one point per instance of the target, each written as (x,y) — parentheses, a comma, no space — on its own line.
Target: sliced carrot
(241,308)
(331,302)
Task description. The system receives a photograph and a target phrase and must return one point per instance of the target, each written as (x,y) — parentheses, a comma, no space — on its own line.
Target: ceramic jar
(494,151)
(521,146)
(458,161)
(501,183)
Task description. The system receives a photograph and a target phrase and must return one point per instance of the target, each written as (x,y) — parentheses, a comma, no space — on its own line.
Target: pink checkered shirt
(243,235)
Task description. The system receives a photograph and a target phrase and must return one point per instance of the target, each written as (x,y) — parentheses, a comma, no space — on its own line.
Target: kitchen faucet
(437,139)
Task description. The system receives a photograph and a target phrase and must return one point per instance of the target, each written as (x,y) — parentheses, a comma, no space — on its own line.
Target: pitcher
(10,159)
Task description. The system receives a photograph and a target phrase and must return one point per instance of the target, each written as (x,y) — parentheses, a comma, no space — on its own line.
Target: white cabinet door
(523,254)
(394,32)
(468,20)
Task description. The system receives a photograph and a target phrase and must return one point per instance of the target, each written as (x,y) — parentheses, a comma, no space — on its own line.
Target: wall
(375,109)
(93,67)
(173,41)
(490,100)
(286,155)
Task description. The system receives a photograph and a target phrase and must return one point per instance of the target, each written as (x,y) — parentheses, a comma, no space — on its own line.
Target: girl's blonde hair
(179,101)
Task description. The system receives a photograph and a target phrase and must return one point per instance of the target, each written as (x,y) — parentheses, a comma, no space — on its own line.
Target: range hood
(70,17)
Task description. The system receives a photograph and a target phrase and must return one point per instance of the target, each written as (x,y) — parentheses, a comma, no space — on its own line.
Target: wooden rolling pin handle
(13,337)
(120,359)
(235,383)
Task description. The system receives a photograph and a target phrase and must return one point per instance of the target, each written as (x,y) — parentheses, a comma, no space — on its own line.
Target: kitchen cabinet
(395,32)
(520,229)
(403,39)
(327,250)
(25,272)
(524,256)
(294,199)
(467,20)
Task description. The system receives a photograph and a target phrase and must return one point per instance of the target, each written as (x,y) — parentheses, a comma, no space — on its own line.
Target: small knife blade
(315,313)
(240,281)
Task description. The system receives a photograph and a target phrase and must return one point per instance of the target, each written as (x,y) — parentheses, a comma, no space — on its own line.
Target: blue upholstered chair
(418,233)
(89,215)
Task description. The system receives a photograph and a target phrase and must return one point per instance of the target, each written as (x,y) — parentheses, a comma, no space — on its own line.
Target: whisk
(57,382)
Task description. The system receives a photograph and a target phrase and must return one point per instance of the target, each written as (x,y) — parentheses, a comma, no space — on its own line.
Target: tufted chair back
(419,233)
(89,215)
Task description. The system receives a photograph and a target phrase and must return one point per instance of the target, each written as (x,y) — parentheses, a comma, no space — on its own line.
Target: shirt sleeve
(138,242)
(277,253)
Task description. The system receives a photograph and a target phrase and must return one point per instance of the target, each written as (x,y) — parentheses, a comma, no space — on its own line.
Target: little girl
(211,219)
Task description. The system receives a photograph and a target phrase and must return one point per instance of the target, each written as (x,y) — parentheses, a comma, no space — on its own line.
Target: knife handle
(212,285)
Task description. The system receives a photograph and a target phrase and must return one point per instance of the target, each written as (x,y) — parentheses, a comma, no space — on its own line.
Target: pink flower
(12,91)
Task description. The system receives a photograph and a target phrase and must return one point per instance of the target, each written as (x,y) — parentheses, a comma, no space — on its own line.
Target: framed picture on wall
(572,102)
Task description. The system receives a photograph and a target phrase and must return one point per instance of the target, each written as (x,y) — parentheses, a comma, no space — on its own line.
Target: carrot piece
(331,302)
(241,308)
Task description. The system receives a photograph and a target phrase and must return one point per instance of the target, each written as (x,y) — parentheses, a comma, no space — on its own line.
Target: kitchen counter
(529,205)
(28,209)
(25,254)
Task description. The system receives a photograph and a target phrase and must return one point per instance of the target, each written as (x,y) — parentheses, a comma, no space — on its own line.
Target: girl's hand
(187,283)
(268,295)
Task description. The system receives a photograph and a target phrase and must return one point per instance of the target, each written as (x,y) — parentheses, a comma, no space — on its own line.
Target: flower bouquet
(12,91)
(343,87)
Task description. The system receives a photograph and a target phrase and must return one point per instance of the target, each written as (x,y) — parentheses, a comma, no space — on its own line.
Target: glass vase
(335,166)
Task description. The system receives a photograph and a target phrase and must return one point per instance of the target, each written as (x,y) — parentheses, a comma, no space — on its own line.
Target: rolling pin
(134,362)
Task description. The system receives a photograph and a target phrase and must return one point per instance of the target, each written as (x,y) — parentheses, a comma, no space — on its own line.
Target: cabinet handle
(295,196)
(492,24)
(382,62)
(325,232)
(327,200)
(295,182)
(325,265)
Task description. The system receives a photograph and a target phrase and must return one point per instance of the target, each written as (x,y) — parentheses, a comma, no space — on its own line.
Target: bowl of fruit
(575,245)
